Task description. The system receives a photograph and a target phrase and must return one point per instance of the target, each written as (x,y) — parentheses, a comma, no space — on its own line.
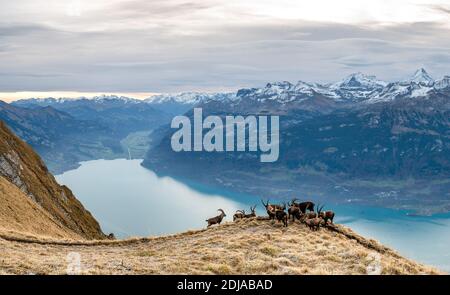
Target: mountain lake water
(130,200)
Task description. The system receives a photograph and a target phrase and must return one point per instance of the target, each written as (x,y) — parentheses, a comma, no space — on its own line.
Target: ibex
(326,215)
(309,215)
(217,219)
(253,214)
(303,206)
(294,212)
(271,208)
(315,222)
(281,215)
(239,214)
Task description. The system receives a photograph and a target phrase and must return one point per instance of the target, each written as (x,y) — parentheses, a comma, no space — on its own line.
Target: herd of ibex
(304,212)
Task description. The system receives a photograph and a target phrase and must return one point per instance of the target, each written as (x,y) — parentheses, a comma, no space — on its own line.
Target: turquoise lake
(130,200)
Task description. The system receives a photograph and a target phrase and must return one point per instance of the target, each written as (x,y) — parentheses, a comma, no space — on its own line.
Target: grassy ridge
(254,246)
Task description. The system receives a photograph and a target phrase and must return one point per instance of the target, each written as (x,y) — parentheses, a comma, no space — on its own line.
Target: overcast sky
(154,46)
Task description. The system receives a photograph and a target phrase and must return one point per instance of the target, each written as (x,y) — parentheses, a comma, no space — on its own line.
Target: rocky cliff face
(22,167)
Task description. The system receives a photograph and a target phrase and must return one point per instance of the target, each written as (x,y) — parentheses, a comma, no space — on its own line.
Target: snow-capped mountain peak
(359,80)
(420,77)
(188,98)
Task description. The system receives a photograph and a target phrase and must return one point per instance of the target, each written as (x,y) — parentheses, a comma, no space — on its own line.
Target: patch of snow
(443,83)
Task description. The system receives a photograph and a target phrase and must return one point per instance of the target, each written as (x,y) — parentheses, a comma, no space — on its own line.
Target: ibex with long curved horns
(326,215)
(271,208)
(239,215)
(315,222)
(253,214)
(217,219)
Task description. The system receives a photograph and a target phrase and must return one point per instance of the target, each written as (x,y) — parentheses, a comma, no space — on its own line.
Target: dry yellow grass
(253,246)
(21,214)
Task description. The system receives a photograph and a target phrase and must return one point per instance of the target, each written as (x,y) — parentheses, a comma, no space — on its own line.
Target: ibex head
(292,202)
(223,213)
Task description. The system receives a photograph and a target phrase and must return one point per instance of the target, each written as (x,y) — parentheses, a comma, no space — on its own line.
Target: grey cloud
(158,8)
(157,59)
(441,8)
(21,29)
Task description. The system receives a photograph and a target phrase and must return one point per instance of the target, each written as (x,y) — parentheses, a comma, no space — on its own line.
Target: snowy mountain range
(356,88)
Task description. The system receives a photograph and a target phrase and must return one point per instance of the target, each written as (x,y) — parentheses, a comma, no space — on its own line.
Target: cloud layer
(173,45)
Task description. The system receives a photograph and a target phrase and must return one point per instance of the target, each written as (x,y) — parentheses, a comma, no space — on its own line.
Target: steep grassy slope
(23,168)
(252,246)
(20,214)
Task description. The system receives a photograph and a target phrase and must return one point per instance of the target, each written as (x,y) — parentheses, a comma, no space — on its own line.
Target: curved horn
(221,211)
(265,205)
(319,209)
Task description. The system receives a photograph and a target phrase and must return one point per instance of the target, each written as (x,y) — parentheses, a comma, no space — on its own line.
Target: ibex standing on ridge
(294,211)
(281,215)
(326,215)
(253,214)
(315,222)
(217,219)
(239,215)
(271,208)
(306,206)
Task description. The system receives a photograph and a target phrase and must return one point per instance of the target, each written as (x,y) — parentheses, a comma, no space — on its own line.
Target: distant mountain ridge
(355,88)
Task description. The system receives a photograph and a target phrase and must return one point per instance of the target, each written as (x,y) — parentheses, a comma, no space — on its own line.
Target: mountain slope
(253,246)
(20,214)
(23,168)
